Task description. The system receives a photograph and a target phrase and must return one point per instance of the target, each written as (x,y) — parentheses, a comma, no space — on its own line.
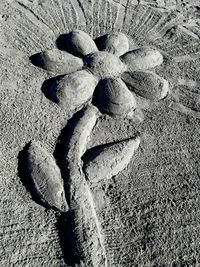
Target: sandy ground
(149,212)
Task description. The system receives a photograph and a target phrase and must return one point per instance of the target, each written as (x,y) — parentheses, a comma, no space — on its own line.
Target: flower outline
(105,70)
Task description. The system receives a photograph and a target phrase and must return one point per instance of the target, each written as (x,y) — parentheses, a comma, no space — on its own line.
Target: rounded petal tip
(113,97)
(142,59)
(116,43)
(147,84)
(80,43)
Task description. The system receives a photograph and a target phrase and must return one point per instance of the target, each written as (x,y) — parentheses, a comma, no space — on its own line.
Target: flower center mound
(104,64)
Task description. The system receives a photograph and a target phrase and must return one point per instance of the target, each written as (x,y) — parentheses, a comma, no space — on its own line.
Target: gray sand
(144,211)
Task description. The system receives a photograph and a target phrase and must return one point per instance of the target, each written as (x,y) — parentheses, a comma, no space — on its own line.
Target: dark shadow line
(68,238)
(61,42)
(49,88)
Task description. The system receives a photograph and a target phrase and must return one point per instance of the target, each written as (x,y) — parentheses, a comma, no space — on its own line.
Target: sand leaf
(107,161)
(46,178)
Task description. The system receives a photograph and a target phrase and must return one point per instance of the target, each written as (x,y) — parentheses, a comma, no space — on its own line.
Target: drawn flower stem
(105,162)
(83,173)
(89,243)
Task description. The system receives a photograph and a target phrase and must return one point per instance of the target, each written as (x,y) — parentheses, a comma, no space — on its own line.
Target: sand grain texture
(149,212)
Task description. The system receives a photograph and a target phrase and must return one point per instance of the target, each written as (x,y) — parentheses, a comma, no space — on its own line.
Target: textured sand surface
(148,214)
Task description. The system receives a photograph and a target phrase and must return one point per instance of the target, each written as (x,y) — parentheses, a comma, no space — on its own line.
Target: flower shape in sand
(106,71)
(113,77)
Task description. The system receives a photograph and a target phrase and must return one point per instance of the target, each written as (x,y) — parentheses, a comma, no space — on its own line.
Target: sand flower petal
(146,84)
(80,43)
(142,59)
(57,61)
(116,43)
(73,90)
(113,97)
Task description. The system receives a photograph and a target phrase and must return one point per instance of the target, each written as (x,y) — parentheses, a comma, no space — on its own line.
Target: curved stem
(89,243)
